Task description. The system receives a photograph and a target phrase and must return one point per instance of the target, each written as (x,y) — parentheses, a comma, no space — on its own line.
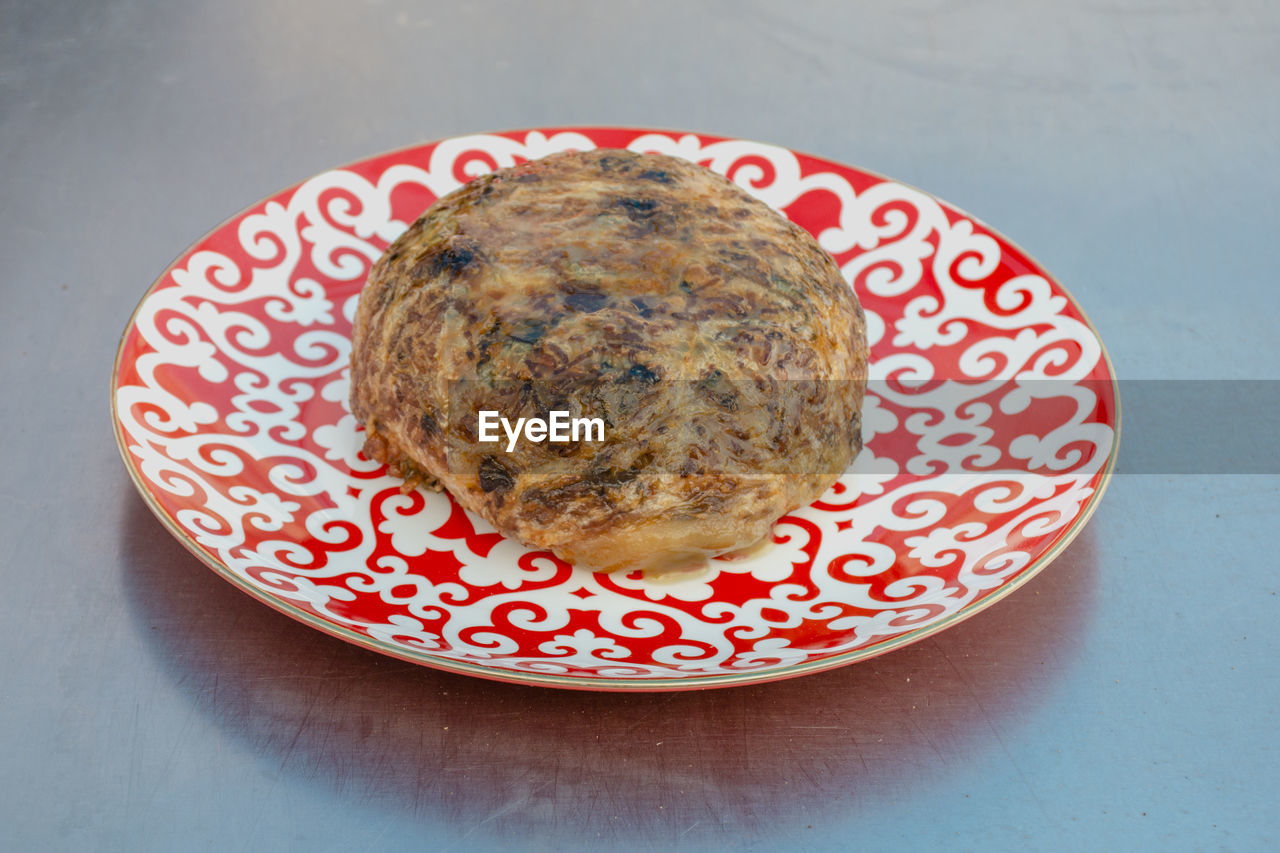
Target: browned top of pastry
(717,340)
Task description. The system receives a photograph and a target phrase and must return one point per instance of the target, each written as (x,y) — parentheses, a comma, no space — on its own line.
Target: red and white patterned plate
(990,428)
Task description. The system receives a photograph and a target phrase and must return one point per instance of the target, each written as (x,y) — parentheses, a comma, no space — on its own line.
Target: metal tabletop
(1125,699)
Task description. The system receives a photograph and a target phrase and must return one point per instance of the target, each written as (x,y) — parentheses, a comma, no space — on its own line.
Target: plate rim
(614,684)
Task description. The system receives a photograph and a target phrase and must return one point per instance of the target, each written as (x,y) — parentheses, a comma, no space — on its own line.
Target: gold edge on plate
(594,683)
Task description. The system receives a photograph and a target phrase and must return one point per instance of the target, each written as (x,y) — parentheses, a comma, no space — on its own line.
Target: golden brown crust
(717,340)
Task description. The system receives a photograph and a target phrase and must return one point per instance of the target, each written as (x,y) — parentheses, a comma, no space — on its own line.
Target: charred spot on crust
(586,301)
(610,477)
(494,477)
(641,373)
(619,476)
(659,175)
(458,255)
(545,359)
(598,481)
(490,338)
(529,332)
(599,405)
(612,162)
(385,295)
(528,398)
(645,310)
(737,258)
(691,468)
(454,259)
(428,423)
(637,208)
(716,389)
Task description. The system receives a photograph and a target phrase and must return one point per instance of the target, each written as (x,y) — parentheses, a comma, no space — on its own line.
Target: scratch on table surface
(986,716)
(506,808)
(284,760)
(649,713)
(297,733)
(942,759)
(862,756)
(165,769)
(687,829)
(135,741)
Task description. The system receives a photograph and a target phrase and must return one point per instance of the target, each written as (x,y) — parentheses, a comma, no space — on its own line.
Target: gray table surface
(1125,699)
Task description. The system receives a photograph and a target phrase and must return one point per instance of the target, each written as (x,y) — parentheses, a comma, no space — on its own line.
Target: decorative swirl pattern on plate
(988,426)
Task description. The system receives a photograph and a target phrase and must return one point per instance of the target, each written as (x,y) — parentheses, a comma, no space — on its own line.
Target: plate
(991,428)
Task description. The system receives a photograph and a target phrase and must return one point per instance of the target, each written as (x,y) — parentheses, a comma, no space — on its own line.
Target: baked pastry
(711,350)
